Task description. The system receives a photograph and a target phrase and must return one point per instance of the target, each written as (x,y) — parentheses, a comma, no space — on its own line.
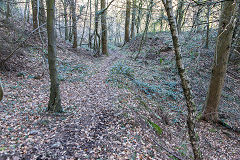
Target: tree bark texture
(208,25)
(65,5)
(219,68)
(104,28)
(42,13)
(54,104)
(133,19)
(235,50)
(34,14)
(139,16)
(179,16)
(70,24)
(184,80)
(1,91)
(127,21)
(74,21)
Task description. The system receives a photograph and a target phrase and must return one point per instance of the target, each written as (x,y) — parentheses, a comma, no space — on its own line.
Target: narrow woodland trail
(96,130)
(89,132)
(101,120)
(92,126)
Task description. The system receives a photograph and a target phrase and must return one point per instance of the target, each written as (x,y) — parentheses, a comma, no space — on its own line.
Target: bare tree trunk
(235,50)
(208,26)
(96,34)
(65,5)
(28,12)
(148,19)
(71,26)
(90,26)
(179,16)
(133,19)
(34,14)
(196,18)
(74,20)
(25,12)
(127,21)
(1,91)
(161,21)
(139,16)
(8,11)
(42,13)
(184,80)
(104,28)
(225,32)
(84,24)
(59,23)
(54,104)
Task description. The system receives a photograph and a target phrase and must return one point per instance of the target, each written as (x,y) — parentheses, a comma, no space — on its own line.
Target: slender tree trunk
(34,14)
(161,21)
(28,12)
(196,18)
(144,36)
(208,26)
(59,23)
(65,5)
(133,19)
(8,11)
(184,80)
(90,26)
(84,24)
(54,104)
(179,16)
(139,16)
(96,34)
(225,32)
(74,20)
(185,15)
(1,91)
(71,26)
(235,50)
(104,28)
(42,13)
(127,21)
(25,13)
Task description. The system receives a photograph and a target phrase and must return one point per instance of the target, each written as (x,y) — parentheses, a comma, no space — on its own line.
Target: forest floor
(115,107)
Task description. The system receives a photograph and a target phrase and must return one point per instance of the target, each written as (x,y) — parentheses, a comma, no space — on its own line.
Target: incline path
(93,126)
(95,132)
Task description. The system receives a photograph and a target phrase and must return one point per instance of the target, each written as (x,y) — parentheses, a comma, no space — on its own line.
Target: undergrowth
(72,72)
(164,92)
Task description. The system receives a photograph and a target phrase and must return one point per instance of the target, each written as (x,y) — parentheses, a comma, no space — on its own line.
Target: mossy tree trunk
(54,104)
(223,45)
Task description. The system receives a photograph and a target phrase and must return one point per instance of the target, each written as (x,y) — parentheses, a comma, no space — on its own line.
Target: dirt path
(92,127)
